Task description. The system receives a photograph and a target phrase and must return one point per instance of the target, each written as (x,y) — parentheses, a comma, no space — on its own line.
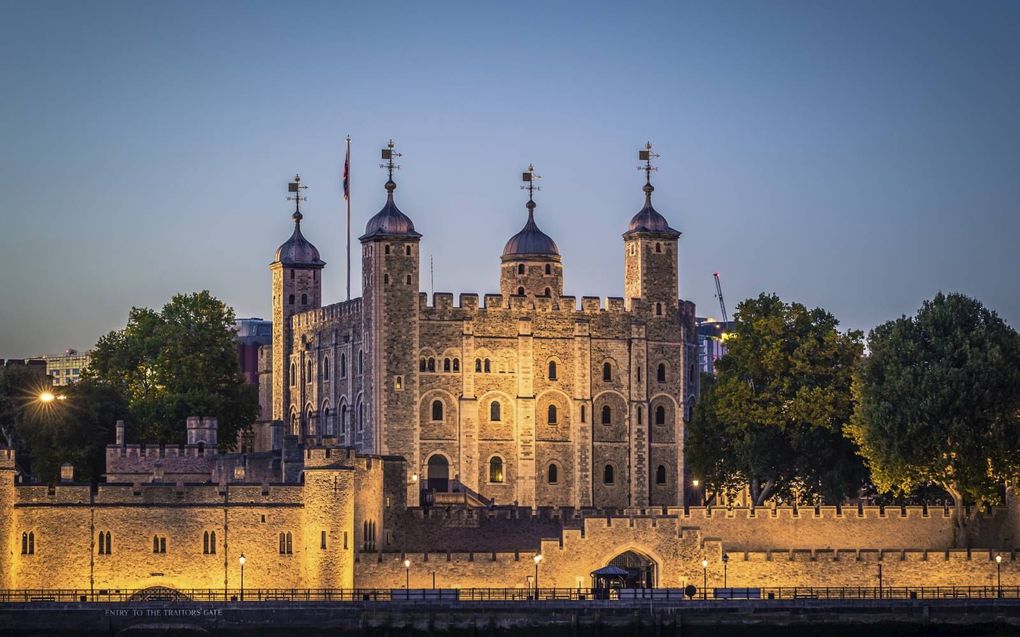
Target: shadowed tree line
(155,372)
(799,412)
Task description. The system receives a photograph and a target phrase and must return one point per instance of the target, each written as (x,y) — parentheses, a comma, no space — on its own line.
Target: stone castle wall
(826,550)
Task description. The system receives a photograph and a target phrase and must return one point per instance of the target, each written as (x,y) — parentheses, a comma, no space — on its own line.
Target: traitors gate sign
(150,613)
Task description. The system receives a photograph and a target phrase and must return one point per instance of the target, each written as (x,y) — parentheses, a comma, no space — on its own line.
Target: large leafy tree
(773,417)
(179,362)
(938,402)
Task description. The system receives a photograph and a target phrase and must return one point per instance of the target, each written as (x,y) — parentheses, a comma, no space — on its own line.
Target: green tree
(938,402)
(773,417)
(179,362)
(74,428)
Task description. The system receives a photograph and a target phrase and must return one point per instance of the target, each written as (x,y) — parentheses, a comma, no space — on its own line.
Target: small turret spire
(530,178)
(296,187)
(646,155)
(389,155)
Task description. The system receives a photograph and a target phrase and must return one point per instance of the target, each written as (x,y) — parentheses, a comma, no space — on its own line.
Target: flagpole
(348,198)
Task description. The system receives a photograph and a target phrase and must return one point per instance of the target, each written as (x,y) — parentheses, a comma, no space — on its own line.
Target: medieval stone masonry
(467,438)
(525,397)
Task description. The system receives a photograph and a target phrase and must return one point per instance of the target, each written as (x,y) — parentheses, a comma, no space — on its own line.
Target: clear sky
(859,156)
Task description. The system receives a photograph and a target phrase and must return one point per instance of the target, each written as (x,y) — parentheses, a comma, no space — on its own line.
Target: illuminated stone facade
(525,397)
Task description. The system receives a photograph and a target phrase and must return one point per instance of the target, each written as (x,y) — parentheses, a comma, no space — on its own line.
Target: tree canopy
(773,417)
(938,402)
(179,362)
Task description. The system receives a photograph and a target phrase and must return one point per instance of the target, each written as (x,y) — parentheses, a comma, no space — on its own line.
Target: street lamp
(725,560)
(47,397)
(407,574)
(695,483)
(704,579)
(242,560)
(998,575)
(538,558)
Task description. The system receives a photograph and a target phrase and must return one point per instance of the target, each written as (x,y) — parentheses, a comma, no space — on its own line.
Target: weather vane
(529,178)
(389,155)
(646,155)
(296,188)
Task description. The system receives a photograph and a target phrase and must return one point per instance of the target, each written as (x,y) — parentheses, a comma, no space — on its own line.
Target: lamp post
(242,560)
(880,581)
(704,579)
(407,575)
(725,561)
(694,483)
(538,558)
(998,576)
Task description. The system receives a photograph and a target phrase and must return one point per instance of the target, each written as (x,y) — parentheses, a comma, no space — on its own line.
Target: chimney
(67,472)
(120,433)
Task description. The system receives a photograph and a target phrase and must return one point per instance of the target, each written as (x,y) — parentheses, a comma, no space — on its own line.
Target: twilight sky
(858,156)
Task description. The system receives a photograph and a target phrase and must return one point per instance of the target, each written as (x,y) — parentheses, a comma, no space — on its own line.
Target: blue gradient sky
(858,156)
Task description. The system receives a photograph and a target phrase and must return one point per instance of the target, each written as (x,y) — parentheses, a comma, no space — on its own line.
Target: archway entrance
(640,570)
(439,474)
(159,594)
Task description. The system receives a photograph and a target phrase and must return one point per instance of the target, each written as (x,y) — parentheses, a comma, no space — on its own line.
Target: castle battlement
(327,313)
(442,305)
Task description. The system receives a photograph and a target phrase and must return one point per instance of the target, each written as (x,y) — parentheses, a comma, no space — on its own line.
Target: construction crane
(718,295)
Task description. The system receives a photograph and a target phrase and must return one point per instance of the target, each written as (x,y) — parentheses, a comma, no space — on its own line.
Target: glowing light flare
(47,397)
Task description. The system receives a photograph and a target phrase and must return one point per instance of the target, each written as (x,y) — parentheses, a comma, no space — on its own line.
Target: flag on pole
(347,174)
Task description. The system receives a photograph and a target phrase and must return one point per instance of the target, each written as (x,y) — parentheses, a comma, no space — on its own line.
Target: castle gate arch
(438,475)
(641,570)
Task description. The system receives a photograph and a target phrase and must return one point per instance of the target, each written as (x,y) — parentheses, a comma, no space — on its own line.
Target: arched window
(386,249)
(422,365)
(548,269)
(326,420)
(407,250)
(437,410)
(308,377)
(494,411)
(640,416)
(639,373)
(488,366)
(283,543)
(432,365)
(293,374)
(520,268)
(343,366)
(660,373)
(553,474)
(205,543)
(456,364)
(548,291)
(290,546)
(309,422)
(608,474)
(607,372)
(584,414)
(325,368)
(343,423)
(361,361)
(658,247)
(552,370)
(109,543)
(361,416)
(658,309)
(520,291)
(386,279)
(446,364)
(660,475)
(407,280)
(607,415)
(478,365)
(290,300)
(496,469)
(660,415)
(304,299)
(551,418)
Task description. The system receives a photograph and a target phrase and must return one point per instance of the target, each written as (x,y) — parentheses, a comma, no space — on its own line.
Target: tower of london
(525,397)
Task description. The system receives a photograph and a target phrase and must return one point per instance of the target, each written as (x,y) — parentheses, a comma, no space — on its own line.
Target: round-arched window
(496,469)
